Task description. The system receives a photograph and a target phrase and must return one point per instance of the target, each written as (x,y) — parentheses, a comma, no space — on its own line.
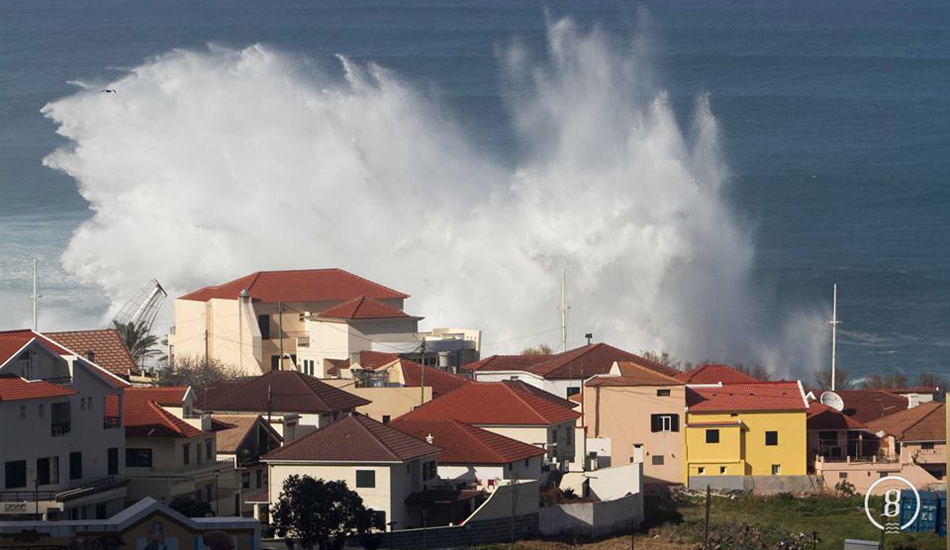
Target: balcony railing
(110,422)
(60,428)
(871,459)
(59,380)
(193,468)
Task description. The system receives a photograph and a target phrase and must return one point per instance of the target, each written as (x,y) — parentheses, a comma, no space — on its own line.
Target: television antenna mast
(35,298)
(563,309)
(834,322)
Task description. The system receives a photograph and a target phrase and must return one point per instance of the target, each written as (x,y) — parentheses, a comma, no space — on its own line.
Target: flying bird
(107,91)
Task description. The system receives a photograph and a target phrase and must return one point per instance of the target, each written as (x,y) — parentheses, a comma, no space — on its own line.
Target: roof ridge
(922,417)
(356,417)
(526,404)
(169,422)
(647,370)
(474,432)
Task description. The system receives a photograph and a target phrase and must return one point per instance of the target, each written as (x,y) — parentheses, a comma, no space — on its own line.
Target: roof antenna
(35,298)
(834,322)
(563,309)
(589,336)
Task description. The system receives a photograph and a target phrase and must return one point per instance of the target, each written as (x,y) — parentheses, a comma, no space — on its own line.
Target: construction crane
(143,307)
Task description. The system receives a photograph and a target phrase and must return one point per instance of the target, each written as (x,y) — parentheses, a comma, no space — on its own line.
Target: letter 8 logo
(892,503)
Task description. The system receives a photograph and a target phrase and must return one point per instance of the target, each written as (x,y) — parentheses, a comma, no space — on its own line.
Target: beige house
(167,457)
(641,412)
(279,320)
(383,465)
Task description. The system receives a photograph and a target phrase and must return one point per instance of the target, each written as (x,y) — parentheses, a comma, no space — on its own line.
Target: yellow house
(753,429)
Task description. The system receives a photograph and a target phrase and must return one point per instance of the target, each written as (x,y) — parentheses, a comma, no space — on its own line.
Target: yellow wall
(744,452)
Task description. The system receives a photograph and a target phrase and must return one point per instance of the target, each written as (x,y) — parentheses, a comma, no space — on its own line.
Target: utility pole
(270,404)
(834,335)
(280,334)
(35,298)
(422,374)
(563,309)
(706,528)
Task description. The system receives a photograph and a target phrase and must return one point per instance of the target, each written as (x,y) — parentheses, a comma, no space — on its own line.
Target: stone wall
(593,519)
(759,485)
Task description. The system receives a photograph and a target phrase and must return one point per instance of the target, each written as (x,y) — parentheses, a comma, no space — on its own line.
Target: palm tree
(138,339)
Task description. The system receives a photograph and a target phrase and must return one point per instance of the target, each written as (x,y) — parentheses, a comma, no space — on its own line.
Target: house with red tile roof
(918,437)
(868,405)
(739,430)
(475,455)
(101,346)
(716,374)
(562,374)
(508,408)
(292,319)
(167,456)
(244,439)
(54,399)
(637,414)
(294,403)
(382,464)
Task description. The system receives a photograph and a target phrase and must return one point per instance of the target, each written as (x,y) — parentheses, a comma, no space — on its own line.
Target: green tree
(540,349)
(190,507)
(138,339)
(317,512)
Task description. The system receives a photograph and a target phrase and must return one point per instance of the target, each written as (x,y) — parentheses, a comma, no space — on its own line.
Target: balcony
(60,428)
(930,456)
(190,470)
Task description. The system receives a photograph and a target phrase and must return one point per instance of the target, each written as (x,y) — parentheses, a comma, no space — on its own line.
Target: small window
(82,403)
(386,418)
(662,393)
(112,459)
(842,475)
(776,469)
(771,438)
(186,454)
(263,324)
(712,436)
(75,465)
(22,412)
(573,390)
(16,474)
(701,471)
(664,423)
(657,460)
(42,410)
(275,362)
(526,461)
(101,510)
(366,478)
(883,474)
(722,470)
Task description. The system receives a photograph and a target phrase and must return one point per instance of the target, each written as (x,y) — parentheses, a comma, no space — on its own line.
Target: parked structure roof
(494,404)
(364,308)
(867,405)
(303,285)
(578,363)
(287,391)
(716,374)
(466,444)
(354,438)
(925,422)
(109,351)
(761,396)
(14,388)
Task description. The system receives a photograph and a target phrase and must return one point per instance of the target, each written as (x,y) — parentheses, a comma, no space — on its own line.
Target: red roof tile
(440,381)
(143,417)
(925,422)
(15,388)
(494,404)
(372,360)
(578,363)
(465,444)
(632,374)
(761,396)
(14,340)
(290,391)
(823,417)
(354,438)
(364,308)
(716,374)
(867,405)
(538,392)
(109,351)
(304,285)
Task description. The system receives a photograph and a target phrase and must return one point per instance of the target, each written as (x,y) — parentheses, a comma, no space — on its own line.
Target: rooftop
(465,444)
(365,308)
(867,405)
(167,396)
(633,374)
(236,428)
(279,391)
(578,363)
(823,417)
(925,422)
(12,341)
(304,285)
(761,396)
(716,374)
(441,382)
(109,351)
(494,404)
(13,388)
(144,417)
(354,438)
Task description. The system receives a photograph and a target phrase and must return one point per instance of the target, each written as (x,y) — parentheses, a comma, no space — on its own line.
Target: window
(573,391)
(883,474)
(186,454)
(16,474)
(712,436)
(527,461)
(927,446)
(842,475)
(245,480)
(776,469)
(428,470)
(722,470)
(379,519)
(42,410)
(664,423)
(366,478)
(75,465)
(771,438)
(260,478)
(662,393)
(82,403)
(112,458)
(209,449)
(138,458)
(263,323)
(701,471)
(657,460)
(22,412)
(386,418)
(60,421)
(47,470)
(828,436)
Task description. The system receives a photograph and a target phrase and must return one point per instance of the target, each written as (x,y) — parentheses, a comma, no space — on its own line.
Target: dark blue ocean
(835,118)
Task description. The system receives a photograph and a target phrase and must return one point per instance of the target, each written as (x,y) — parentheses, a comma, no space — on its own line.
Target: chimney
(429,439)
(90,356)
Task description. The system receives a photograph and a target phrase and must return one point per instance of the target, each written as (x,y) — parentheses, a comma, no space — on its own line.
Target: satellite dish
(833,400)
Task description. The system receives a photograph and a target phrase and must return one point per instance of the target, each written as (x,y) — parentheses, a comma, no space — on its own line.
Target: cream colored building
(383,465)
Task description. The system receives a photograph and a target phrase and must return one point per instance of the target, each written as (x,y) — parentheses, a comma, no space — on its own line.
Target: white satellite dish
(833,400)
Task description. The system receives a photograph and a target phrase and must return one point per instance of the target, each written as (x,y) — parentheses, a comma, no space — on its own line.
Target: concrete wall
(593,519)
(529,469)
(623,415)
(542,436)
(616,482)
(759,485)
(391,402)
